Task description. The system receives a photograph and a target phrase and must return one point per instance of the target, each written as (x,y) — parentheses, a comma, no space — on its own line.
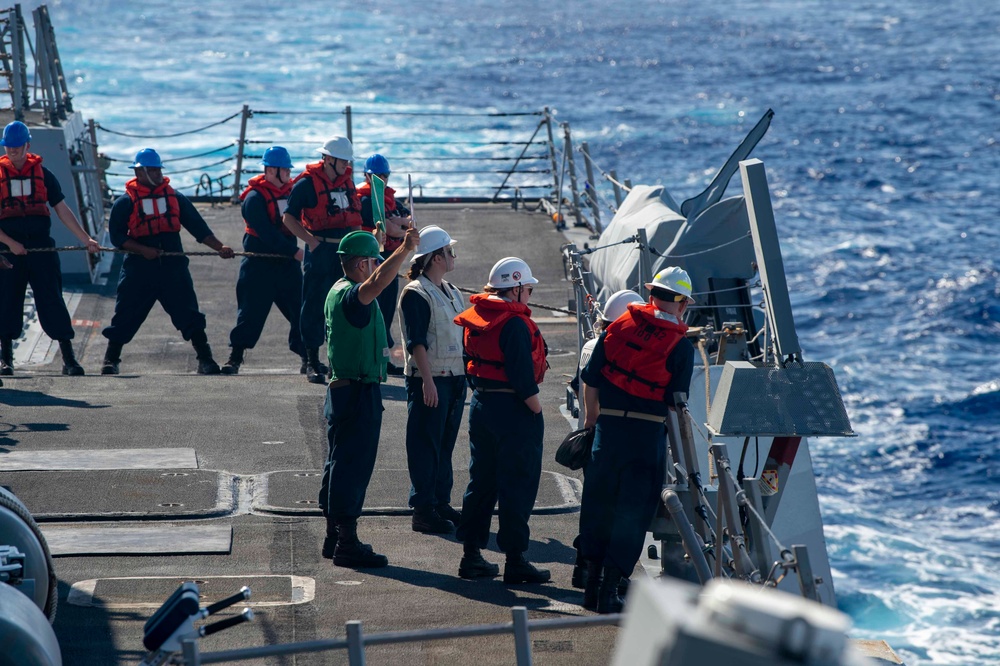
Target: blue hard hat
(276,156)
(377,164)
(15,135)
(147,157)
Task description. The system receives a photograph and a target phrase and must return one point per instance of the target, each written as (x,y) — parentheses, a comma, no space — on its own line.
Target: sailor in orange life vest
(638,363)
(147,221)
(323,208)
(506,361)
(397,219)
(264,281)
(435,380)
(27,189)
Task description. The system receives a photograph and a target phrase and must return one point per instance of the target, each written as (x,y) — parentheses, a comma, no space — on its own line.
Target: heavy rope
(116,250)
(257,255)
(168,136)
(603,173)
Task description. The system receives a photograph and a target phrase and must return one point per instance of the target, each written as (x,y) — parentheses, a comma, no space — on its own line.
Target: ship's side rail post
(803,568)
(591,187)
(349,127)
(552,152)
(758,536)
(645,264)
(618,189)
(240,149)
(571,168)
(355,643)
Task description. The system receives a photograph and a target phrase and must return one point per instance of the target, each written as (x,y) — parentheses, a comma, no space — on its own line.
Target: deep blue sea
(883,159)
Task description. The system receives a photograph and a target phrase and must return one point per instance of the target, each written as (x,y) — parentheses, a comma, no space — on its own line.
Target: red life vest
(272,196)
(22,192)
(365,190)
(482,323)
(154,210)
(636,346)
(337,204)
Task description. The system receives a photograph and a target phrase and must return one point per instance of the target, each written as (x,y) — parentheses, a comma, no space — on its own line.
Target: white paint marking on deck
(565,607)
(348,582)
(34,347)
(571,489)
(82,593)
(162,539)
(94,459)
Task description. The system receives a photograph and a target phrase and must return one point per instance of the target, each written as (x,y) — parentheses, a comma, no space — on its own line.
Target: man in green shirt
(358,354)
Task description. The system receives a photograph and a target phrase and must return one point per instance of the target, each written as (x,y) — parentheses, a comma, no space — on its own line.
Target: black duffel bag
(574,452)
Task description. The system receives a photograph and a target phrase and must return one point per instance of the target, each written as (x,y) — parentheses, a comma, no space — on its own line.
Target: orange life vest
(22,192)
(272,196)
(365,190)
(337,204)
(636,346)
(482,323)
(154,210)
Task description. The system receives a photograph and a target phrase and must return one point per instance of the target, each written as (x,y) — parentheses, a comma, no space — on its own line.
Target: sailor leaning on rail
(147,221)
(27,189)
(358,355)
(506,361)
(397,219)
(435,380)
(264,281)
(323,208)
(638,363)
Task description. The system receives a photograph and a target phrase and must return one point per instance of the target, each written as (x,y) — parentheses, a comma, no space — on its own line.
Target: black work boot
(232,366)
(579,579)
(203,352)
(314,371)
(473,565)
(427,520)
(350,552)
(447,512)
(70,365)
(330,541)
(593,585)
(112,357)
(608,600)
(305,365)
(6,357)
(518,570)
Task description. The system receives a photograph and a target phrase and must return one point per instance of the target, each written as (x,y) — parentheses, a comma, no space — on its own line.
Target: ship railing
(356,641)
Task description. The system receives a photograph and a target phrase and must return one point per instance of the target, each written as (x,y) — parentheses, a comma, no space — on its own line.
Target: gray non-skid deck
(241,453)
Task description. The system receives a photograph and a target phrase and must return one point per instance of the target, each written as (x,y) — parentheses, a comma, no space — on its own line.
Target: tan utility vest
(444,336)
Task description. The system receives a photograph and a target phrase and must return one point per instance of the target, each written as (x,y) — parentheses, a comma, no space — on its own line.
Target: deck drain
(307,474)
(175,474)
(306,502)
(170,505)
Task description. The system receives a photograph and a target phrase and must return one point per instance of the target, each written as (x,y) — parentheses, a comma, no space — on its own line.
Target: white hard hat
(432,238)
(339,147)
(618,303)
(510,272)
(673,279)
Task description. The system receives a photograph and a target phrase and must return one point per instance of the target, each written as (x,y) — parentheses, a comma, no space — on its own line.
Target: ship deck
(156,476)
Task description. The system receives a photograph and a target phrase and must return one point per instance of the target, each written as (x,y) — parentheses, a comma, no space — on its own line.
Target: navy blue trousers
(431,433)
(263,282)
(142,284)
(621,490)
(321,269)
(353,425)
(42,271)
(506,465)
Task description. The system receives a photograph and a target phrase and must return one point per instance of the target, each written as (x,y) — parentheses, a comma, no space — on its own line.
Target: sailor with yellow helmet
(637,365)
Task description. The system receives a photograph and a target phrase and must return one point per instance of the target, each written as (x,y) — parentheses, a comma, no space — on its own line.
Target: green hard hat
(359,244)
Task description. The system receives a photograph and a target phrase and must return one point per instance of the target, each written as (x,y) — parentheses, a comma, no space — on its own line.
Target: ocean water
(883,159)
